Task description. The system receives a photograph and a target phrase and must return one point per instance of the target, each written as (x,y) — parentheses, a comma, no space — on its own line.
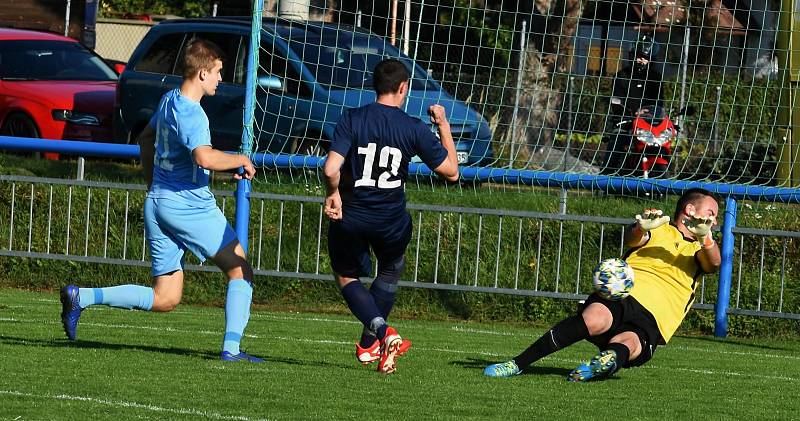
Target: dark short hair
(200,54)
(388,75)
(691,196)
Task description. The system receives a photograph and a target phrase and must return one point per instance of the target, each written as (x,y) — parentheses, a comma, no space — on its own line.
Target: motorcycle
(641,145)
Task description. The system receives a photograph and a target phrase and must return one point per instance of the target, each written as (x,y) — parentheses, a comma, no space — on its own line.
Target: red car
(53,87)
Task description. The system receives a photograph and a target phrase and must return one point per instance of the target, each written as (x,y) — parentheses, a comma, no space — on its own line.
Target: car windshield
(344,59)
(51,60)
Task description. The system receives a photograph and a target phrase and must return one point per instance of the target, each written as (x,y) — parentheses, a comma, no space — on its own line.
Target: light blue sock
(123,296)
(237,313)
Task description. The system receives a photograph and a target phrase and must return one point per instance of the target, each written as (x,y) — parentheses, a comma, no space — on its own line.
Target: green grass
(134,365)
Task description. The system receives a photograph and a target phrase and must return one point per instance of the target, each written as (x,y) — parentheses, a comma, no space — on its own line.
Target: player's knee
(597,321)
(165,303)
(634,345)
(343,280)
(596,326)
(239,251)
(392,270)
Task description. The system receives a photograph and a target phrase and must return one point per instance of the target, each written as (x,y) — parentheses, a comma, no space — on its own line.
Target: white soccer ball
(613,279)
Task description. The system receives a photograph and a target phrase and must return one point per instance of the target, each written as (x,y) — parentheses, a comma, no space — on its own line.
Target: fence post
(725,270)
(243,186)
(243,212)
(81,168)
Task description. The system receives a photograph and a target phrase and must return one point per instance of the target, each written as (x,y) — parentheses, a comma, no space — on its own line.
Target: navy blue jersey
(378,142)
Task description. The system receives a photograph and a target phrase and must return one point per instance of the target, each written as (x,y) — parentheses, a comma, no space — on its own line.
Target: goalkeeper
(667,260)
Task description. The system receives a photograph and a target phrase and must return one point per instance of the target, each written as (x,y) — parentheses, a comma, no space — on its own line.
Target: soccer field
(138,365)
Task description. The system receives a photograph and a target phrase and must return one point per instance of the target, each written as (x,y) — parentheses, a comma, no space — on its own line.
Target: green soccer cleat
(602,365)
(506,369)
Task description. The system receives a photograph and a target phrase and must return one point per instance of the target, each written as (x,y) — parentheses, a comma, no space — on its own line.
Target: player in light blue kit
(180,211)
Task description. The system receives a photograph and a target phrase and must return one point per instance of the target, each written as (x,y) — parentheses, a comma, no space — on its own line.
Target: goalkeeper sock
(237,313)
(362,305)
(562,335)
(123,296)
(623,353)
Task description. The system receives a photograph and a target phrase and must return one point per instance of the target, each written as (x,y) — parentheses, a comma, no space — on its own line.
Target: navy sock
(362,305)
(383,291)
(562,335)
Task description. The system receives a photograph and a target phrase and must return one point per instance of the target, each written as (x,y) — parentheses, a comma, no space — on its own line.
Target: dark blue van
(309,72)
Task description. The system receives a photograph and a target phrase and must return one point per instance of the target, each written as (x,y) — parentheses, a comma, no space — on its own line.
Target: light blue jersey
(180,211)
(181,125)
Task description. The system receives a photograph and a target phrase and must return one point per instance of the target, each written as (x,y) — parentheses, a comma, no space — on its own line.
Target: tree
(186,8)
(542,95)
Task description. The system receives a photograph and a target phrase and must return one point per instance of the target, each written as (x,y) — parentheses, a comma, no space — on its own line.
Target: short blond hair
(200,54)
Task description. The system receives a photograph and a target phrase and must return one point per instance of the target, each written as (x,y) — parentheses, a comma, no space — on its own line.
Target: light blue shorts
(173,227)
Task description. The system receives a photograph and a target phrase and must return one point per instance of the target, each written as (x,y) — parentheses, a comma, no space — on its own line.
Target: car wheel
(315,146)
(19,125)
(135,132)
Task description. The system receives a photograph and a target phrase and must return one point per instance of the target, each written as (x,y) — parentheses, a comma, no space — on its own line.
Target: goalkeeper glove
(650,219)
(698,226)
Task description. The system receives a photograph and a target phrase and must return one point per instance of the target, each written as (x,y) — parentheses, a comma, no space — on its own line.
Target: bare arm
(709,255)
(147,140)
(635,236)
(214,160)
(333,166)
(333,201)
(449,168)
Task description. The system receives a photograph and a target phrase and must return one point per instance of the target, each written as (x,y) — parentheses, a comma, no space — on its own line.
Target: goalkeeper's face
(705,207)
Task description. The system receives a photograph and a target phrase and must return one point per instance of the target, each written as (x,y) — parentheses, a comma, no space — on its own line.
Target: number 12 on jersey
(389,160)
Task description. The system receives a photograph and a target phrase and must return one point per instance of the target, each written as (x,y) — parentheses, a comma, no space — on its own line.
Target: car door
(224,109)
(277,113)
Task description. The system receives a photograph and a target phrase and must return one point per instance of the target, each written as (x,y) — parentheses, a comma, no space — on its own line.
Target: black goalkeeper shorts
(628,316)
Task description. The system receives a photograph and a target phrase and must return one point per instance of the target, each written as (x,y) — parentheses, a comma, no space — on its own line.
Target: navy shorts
(629,316)
(350,240)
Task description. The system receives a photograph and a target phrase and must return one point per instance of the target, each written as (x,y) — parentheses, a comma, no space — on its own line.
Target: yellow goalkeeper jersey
(666,272)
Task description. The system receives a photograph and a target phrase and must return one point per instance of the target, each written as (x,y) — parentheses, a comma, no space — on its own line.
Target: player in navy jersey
(180,212)
(366,171)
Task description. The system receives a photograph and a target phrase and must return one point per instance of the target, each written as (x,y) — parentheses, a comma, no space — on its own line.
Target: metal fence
(117,38)
(452,248)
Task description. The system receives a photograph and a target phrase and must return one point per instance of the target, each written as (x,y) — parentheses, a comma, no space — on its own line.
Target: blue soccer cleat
(506,369)
(602,365)
(70,310)
(227,356)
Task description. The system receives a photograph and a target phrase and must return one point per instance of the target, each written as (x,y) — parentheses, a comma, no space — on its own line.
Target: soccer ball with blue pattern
(613,279)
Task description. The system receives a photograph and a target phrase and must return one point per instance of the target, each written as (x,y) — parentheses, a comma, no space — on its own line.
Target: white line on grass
(742,353)
(125,326)
(125,404)
(487,332)
(159,328)
(673,346)
(298,317)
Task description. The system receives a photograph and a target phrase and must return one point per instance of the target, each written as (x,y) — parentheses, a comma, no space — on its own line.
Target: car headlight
(83,119)
(665,137)
(645,136)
